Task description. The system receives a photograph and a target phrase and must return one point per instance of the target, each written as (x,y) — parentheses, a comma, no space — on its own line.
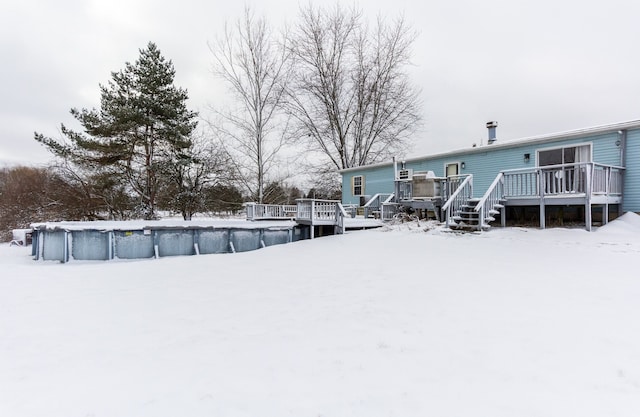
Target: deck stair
(578,184)
(468,218)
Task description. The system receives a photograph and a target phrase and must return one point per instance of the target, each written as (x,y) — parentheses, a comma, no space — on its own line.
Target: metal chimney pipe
(492,131)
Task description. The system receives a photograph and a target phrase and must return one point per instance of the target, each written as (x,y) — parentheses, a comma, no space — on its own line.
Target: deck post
(251,211)
(605,214)
(541,194)
(313,216)
(503,216)
(587,205)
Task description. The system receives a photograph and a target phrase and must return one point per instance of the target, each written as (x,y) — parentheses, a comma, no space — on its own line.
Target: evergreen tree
(142,124)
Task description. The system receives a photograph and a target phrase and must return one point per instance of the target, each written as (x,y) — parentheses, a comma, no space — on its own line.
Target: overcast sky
(536,67)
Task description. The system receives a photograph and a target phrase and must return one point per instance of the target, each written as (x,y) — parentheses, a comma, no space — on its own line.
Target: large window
(566,173)
(357,185)
(564,155)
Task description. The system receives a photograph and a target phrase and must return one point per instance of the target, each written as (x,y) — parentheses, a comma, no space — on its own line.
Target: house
(588,175)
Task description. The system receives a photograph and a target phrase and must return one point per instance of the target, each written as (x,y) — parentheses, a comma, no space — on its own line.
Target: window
(566,172)
(357,185)
(565,155)
(451,169)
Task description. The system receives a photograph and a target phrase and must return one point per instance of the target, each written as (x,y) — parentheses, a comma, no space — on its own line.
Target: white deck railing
(585,179)
(322,212)
(520,183)
(310,209)
(458,196)
(491,199)
(388,210)
(257,211)
(606,179)
(374,205)
(341,214)
(579,178)
(451,184)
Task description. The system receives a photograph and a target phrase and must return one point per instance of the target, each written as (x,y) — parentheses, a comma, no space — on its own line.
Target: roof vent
(492,131)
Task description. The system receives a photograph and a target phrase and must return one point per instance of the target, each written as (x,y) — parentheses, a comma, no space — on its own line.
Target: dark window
(552,157)
(561,156)
(358,185)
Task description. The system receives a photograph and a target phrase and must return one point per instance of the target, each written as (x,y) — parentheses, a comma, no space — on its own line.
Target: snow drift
(395,322)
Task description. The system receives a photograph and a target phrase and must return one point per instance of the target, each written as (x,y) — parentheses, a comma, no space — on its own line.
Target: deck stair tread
(467,218)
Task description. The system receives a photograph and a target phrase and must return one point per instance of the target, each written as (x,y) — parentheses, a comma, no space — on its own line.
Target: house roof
(514,143)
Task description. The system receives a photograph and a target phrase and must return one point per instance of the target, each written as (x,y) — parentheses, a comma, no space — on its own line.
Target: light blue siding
(631,197)
(486,162)
(376,180)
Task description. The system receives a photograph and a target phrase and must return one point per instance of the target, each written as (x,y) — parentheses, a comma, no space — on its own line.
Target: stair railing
(341,214)
(459,197)
(490,199)
(388,210)
(375,203)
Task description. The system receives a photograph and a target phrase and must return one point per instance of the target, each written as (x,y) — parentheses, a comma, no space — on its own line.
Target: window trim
(562,147)
(353,185)
(446,164)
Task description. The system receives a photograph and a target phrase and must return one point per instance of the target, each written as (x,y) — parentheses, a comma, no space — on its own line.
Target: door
(452,169)
(567,170)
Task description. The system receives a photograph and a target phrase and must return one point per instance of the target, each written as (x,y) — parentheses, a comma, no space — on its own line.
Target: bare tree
(351,95)
(188,173)
(29,194)
(256,68)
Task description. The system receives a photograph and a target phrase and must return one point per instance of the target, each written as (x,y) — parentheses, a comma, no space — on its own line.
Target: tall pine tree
(143,123)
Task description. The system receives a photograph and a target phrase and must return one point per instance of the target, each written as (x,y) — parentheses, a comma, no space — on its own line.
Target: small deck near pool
(322,216)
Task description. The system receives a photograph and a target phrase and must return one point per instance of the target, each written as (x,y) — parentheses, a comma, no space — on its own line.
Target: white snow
(408,320)
(166,223)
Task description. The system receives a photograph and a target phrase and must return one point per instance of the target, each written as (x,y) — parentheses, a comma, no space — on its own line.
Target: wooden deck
(312,213)
(579,184)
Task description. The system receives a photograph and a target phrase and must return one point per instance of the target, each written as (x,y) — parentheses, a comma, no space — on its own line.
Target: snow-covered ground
(401,321)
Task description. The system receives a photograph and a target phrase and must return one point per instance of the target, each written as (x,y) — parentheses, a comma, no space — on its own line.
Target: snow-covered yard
(386,322)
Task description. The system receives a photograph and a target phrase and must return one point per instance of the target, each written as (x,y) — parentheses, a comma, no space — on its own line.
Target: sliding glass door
(566,172)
